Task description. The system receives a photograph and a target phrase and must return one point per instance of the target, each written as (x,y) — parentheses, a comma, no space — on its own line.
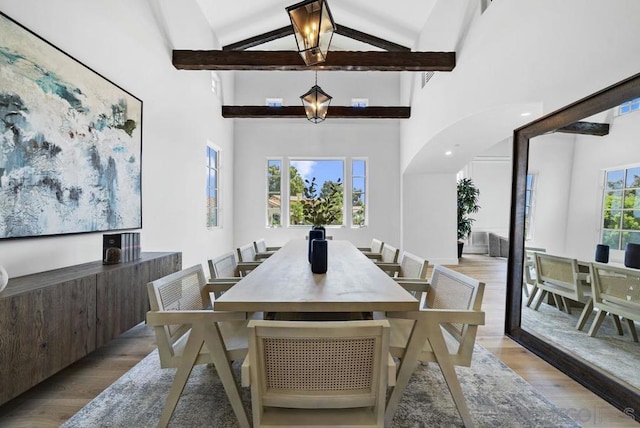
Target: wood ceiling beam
(334,112)
(291,61)
(369,39)
(340,29)
(586,128)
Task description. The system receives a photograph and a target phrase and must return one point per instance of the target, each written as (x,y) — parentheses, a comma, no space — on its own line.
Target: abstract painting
(70,143)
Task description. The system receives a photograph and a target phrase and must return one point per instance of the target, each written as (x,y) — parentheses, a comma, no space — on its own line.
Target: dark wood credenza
(49,320)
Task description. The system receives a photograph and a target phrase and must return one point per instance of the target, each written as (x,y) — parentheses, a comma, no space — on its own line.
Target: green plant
(467,204)
(324,208)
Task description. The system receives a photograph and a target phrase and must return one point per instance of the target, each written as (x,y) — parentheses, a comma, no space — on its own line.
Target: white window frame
(603,199)
(217,169)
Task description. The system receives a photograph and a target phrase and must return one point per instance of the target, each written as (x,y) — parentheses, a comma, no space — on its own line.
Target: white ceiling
(399,21)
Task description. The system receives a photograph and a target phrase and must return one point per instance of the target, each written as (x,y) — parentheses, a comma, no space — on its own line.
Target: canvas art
(70,143)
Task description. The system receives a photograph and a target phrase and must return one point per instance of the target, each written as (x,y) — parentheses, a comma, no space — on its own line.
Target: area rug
(619,356)
(497,397)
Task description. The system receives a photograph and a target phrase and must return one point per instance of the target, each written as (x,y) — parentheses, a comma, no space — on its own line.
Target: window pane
(212,187)
(615,179)
(358,216)
(316,192)
(613,200)
(630,220)
(213,158)
(358,184)
(633,177)
(630,237)
(359,168)
(611,238)
(630,199)
(358,199)
(611,219)
(274,200)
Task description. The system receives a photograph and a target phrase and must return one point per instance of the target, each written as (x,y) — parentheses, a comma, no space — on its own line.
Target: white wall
(516,57)
(128,42)
(256,140)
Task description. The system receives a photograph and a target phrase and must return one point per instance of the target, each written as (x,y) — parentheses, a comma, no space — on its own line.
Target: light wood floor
(58,398)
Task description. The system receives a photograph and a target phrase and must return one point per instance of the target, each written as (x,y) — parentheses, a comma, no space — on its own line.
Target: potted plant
(467,204)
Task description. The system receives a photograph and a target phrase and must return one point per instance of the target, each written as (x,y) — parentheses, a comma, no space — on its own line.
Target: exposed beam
(335,112)
(291,61)
(369,39)
(259,39)
(340,29)
(586,128)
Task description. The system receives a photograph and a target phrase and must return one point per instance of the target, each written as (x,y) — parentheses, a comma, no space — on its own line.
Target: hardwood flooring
(55,400)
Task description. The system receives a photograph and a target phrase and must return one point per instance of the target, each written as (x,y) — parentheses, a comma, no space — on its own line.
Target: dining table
(284,283)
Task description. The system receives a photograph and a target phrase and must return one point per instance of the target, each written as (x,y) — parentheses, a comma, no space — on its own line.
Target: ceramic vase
(319,255)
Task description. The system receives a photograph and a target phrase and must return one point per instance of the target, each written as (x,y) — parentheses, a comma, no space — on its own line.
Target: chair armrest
(159,318)
(373,256)
(245,373)
(414,284)
(248,265)
(391,268)
(224,280)
(263,255)
(365,249)
(219,286)
(273,248)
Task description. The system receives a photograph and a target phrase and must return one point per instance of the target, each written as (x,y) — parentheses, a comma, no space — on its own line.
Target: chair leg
(566,304)
(616,321)
(597,322)
(215,344)
(443,357)
(542,296)
(534,291)
(191,351)
(588,308)
(525,288)
(632,329)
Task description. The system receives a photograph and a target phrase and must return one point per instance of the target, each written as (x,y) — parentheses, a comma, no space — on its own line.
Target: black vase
(319,256)
(313,234)
(632,256)
(602,253)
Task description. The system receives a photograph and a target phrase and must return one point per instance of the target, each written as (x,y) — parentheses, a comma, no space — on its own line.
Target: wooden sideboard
(51,319)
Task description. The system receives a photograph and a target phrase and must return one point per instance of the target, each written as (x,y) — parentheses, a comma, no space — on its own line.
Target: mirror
(574,186)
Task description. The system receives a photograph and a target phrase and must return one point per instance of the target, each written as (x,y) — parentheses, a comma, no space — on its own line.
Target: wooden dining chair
(389,254)
(313,374)
(247,253)
(188,335)
(226,268)
(561,277)
(443,331)
(374,251)
(410,266)
(262,251)
(616,291)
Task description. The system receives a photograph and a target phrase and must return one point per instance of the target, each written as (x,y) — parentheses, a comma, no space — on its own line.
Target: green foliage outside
(310,207)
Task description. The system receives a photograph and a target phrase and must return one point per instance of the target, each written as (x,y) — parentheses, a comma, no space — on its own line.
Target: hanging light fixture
(316,103)
(313,27)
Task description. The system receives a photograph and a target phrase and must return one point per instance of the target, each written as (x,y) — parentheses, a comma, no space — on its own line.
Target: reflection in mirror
(576,203)
(581,192)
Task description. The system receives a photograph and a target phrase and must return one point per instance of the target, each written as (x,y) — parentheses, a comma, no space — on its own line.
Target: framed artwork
(70,143)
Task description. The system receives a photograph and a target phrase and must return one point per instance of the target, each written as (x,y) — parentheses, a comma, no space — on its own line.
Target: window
(318,177)
(213,194)
(621,208)
(359,102)
(528,206)
(273,102)
(274,197)
(358,196)
(629,106)
(343,201)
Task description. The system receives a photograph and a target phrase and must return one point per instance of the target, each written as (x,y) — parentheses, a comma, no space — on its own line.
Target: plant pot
(460,246)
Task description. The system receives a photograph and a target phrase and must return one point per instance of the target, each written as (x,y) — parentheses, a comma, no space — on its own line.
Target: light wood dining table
(284,283)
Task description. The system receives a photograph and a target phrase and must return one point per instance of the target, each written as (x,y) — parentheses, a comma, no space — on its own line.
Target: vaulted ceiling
(378,36)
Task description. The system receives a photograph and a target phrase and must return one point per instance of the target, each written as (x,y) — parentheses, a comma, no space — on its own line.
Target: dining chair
(389,254)
(247,253)
(316,374)
(561,277)
(616,291)
(410,266)
(374,251)
(443,331)
(226,268)
(262,251)
(188,335)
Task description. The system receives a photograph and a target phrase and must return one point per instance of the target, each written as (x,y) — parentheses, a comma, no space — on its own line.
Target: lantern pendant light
(316,103)
(313,27)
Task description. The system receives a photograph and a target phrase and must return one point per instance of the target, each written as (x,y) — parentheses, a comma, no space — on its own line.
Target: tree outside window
(621,208)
